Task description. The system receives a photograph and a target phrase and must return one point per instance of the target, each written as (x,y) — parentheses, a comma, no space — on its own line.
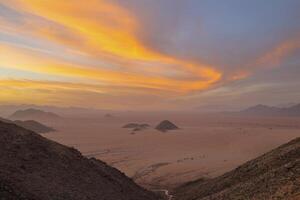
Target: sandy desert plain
(206,145)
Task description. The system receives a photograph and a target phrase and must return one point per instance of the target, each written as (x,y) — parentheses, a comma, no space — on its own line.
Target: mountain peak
(34,114)
(166,125)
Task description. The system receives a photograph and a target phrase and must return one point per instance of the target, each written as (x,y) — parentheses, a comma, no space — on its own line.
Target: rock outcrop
(166,125)
(136,127)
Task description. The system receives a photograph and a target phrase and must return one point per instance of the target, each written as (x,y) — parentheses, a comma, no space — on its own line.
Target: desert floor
(205,145)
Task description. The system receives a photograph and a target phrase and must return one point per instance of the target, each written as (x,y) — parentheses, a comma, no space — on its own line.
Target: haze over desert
(149,100)
(205,145)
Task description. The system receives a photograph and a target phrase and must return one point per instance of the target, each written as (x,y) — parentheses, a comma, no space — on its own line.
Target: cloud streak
(97,47)
(104,31)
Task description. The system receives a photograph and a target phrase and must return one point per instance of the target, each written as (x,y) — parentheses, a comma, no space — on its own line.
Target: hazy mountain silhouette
(34,126)
(131,125)
(136,127)
(261,109)
(264,110)
(35,168)
(5,120)
(275,175)
(30,125)
(34,114)
(166,125)
(6,110)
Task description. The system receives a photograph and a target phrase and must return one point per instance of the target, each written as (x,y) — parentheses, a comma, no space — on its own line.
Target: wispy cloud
(96,47)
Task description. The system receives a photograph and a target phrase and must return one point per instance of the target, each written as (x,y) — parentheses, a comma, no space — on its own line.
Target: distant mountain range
(6,110)
(264,110)
(34,114)
(275,175)
(30,125)
(35,168)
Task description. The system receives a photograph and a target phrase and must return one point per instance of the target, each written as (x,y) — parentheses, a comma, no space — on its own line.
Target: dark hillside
(275,175)
(35,168)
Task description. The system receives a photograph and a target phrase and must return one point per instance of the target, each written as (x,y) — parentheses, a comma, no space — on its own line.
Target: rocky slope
(35,168)
(275,175)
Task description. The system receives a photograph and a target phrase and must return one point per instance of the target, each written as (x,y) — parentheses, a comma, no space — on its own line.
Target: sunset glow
(101,47)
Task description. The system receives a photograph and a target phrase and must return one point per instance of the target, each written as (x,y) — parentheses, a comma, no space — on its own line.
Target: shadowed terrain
(35,168)
(275,175)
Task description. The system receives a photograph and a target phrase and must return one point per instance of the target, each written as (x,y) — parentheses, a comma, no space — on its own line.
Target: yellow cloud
(105,27)
(27,60)
(107,31)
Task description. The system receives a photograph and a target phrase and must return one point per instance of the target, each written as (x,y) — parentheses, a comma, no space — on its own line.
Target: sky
(150,54)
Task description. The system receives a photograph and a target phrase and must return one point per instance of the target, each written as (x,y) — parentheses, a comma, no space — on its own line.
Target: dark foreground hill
(30,125)
(275,175)
(35,168)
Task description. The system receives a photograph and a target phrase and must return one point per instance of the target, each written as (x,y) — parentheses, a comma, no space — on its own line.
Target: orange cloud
(26,60)
(273,58)
(107,31)
(278,53)
(104,27)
